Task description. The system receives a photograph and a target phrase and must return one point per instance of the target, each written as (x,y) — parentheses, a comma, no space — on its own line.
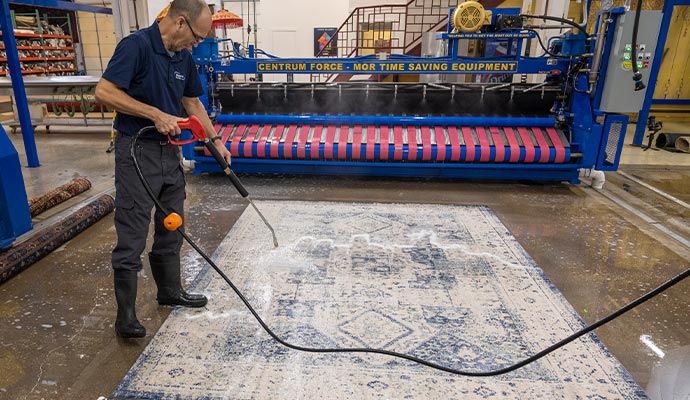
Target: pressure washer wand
(197,129)
(238,185)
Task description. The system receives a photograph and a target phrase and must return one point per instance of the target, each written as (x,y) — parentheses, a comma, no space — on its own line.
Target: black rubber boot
(126,324)
(166,273)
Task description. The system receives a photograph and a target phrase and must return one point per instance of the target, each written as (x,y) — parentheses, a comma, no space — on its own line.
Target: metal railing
(425,16)
(392,29)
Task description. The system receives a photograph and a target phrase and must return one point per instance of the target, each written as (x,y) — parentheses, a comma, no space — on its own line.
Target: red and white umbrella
(227,20)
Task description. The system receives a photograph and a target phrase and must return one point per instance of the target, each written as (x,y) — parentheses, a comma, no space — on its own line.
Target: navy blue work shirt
(145,70)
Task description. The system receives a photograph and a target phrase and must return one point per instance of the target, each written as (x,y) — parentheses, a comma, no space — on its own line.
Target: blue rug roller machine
(496,127)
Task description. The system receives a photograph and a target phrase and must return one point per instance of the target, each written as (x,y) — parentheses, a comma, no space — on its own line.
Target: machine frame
(593,134)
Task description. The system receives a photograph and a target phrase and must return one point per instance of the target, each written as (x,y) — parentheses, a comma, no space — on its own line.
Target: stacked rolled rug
(683,144)
(41,203)
(39,244)
(673,142)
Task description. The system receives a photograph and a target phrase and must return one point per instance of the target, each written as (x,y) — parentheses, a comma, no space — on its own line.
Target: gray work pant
(160,164)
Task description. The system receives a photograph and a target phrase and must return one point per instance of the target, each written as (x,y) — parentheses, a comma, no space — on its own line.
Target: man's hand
(166,124)
(223,151)
(194,107)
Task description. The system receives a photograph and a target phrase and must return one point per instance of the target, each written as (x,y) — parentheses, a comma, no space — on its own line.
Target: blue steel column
(654,73)
(18,84)
(15,217)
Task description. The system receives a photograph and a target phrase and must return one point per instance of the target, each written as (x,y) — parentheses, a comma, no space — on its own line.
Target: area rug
(449,284)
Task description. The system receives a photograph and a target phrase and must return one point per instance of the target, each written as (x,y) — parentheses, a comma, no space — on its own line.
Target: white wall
(285,28)
(154,7)
(98,40)
(300,16)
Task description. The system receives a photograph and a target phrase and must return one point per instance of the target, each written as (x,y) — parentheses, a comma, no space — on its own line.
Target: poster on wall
(321,37)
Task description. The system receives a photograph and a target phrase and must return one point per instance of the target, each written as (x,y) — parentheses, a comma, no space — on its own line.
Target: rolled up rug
(41,203)
(667,140)
(19,257)
(683,144)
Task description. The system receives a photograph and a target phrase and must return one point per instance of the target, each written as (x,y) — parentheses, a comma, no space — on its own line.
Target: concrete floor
(56,318)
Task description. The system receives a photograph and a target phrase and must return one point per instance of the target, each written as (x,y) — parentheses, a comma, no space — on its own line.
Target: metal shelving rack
(40,63)
(45,48)
(13,63)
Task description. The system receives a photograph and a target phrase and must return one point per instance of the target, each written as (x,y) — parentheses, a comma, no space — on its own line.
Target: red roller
(342,142)
(558,144)
(247,145)
(513,144)
(469,143)
(370,142)
(383,145)
(224,132)
(398,143)
(357,142)
(455,150)
(426,143)
(440,144)
(485,152)
(235,144)
(544,150)
(261,144)
(302,142)
(315,142)
(225,136)
(275,142)
(498,144)
(328,145)
(412,149)
(289,140)
(529,146)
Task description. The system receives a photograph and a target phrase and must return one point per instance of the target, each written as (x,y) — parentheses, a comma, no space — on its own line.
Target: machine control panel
(619,95)
(643,57)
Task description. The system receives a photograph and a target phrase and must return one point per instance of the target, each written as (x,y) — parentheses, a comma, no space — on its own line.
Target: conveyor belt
(347,142)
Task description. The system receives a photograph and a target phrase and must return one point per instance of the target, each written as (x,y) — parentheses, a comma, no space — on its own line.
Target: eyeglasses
(196,37)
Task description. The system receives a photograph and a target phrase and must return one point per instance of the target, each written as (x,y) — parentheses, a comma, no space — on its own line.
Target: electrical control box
(619,95)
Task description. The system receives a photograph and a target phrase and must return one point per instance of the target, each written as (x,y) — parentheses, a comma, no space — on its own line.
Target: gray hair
(188,8)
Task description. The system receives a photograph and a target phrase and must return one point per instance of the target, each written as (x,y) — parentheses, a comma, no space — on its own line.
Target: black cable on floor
(499,371)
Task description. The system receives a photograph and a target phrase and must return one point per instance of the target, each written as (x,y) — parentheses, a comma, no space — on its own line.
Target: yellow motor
(470,16)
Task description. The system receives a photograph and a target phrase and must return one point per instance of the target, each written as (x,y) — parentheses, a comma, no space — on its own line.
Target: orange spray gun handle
(193,125)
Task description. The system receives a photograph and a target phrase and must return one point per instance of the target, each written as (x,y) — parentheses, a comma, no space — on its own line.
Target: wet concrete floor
(56,318)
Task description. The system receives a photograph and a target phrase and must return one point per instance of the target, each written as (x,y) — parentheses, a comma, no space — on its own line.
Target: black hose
(499,371)
(583,29)
(546,50)
(637,75)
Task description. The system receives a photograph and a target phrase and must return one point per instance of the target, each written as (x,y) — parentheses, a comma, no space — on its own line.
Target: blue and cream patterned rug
(449,284)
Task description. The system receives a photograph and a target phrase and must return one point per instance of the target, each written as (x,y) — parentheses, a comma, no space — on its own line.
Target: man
(149,79)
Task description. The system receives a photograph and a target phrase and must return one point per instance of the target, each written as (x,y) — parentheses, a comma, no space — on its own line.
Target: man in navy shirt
(150,77)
